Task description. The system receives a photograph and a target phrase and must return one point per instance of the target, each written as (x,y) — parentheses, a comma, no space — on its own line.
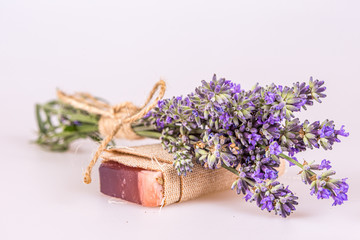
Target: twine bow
(113,118)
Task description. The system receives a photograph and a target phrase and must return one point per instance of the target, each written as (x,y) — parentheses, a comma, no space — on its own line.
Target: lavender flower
(244,182)
(269,97)
(316,89)
(183,162)
(275,148)
(273,196)
(222,125)
(290,133)
(213,151)
(325,187)
(309,134)
(341,132)
(249,131)
(324,134)
(253,138)
(324,164)
(322,184)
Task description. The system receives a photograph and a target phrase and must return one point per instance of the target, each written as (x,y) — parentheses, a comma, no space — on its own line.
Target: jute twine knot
(121,112)
(115,120)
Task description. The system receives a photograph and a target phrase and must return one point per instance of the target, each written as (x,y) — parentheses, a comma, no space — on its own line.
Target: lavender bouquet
(222,125)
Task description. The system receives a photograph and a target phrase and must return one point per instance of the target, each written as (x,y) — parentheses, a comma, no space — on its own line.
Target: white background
(118,50)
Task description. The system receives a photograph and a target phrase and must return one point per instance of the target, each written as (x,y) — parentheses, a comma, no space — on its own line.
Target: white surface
(118,50)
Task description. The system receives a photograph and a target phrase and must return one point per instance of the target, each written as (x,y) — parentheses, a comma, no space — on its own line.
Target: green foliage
(61,124)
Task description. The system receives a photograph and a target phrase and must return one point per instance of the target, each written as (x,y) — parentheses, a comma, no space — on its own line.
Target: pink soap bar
(131,184)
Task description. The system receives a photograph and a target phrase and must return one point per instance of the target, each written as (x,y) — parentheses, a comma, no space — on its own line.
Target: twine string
(113,118)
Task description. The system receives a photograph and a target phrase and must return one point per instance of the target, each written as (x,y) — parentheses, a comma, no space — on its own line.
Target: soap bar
(146,175)
(131,184)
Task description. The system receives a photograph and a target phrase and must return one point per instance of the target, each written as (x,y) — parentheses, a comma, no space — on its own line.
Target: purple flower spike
(275,148)
(342,132)
(248,195)
(339,199)
(325,164)
(241,184)
(221,125)
(322,193)
(273,196)
(269,97)
(326,131)
(267,202)
(343,186)
(253,138)
(325,187)
(271,174)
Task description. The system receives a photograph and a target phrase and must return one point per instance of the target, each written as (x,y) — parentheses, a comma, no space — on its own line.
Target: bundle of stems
(222,125)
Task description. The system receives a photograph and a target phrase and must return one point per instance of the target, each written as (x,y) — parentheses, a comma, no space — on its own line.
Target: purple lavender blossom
(342,132)
(325,187)
(248,195)
(253,138)
(236,88)
(242,184)
(267,202)
(316,89)
(168,120)
(342,185)
(324,134)
(271,174)
(325,164)
(340,189)
(160,124)
(258,176)
(322,193)
(222,125)
(273,196)
(326,131)
(275,148)
(269,97)
(339,199)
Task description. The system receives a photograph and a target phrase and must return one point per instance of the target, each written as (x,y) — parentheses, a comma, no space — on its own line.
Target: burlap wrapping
(176,188)
(115,120)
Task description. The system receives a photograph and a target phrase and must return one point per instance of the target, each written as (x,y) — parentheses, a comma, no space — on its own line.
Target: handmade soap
(146,175)
(131,184)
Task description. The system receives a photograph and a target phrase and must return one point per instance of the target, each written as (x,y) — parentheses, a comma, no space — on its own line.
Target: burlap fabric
(176,188)
(115,120)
